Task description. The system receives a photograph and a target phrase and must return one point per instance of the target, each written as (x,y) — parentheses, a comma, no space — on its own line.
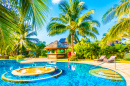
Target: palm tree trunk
(72,35)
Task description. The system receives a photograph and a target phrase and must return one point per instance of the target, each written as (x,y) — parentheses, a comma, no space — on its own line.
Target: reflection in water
(72,67)
(11,67)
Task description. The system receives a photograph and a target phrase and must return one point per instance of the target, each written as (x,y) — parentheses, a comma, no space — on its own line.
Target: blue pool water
(73,74)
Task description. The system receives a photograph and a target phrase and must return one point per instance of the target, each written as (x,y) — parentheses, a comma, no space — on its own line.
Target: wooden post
(56,50)
(48,55)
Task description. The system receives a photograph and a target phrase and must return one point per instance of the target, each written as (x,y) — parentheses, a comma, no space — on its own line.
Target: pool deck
(121,68)
(32,60)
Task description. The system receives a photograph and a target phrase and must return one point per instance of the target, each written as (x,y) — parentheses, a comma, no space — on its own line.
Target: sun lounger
(101,58)
(111,59)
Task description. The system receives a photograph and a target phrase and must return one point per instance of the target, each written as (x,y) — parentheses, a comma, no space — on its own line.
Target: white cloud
(55,1)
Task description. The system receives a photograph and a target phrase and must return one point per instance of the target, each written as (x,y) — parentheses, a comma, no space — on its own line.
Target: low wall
(4,57)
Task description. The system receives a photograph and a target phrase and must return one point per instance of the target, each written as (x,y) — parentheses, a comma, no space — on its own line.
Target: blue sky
(99,7)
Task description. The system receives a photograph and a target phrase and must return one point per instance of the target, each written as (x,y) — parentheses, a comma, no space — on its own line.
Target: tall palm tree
(72,20)
(75,38)
(122,11)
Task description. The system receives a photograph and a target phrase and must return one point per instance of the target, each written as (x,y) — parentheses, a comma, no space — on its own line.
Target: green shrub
(60,51)
(73,58)
(87,50)
(128,59)
(20,56)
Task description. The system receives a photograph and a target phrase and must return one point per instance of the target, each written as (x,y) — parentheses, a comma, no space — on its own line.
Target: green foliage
(122,27)
(39,49)
(60,51)
(128,59)
(68,50)
(73,58)
(87,50)
(127,56)
(15,25)
(20,57)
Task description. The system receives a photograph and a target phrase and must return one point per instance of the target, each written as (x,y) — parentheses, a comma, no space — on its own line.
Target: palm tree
(23,37)
(76,39)
(122,27)
(14,13)
(8,26)
(72,20)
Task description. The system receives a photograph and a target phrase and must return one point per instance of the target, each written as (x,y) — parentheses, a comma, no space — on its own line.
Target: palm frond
(32,39)
(119,11)
(85,16)
(109,15)
(117,30)
(31,34)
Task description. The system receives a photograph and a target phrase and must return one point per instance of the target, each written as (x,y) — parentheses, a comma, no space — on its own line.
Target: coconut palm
(117,31)
(14,13)
(121,11)
(23,37)
(8,26)
(72,20)
(76,39)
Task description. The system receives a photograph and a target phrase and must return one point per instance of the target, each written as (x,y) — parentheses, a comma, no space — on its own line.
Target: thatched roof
(56,45)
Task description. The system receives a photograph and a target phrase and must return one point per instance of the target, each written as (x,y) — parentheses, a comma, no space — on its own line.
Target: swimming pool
(73,74)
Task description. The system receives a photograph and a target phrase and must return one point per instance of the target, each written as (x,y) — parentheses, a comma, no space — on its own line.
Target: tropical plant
(76,39)
(122,11)
(23,38)
(87,50)
(72,20)
(16,14)
(8,26)
(39,49)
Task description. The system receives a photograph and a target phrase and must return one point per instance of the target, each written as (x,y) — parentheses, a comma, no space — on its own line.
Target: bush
(87,50)
(20,56)
(128,59)
(60,51)
(73,58)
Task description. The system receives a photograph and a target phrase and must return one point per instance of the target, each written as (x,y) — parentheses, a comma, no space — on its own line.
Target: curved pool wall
(73,74)
(9,77)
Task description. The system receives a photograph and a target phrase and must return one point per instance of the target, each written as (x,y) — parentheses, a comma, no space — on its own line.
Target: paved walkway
(31,60)
(122,68)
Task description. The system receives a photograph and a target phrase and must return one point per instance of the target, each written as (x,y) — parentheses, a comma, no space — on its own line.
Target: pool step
(106,73)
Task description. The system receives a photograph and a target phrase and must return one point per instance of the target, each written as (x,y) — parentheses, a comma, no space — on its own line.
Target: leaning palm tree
(8,26)
(13,13)
(72,20)
(122,26)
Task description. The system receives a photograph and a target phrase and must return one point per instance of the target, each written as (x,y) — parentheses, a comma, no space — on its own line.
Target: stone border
(27,81)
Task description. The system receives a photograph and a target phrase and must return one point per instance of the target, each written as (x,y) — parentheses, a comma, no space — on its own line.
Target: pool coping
(27,81)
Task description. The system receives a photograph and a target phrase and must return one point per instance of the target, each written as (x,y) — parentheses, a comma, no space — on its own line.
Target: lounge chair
(101,58)
(111,59)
